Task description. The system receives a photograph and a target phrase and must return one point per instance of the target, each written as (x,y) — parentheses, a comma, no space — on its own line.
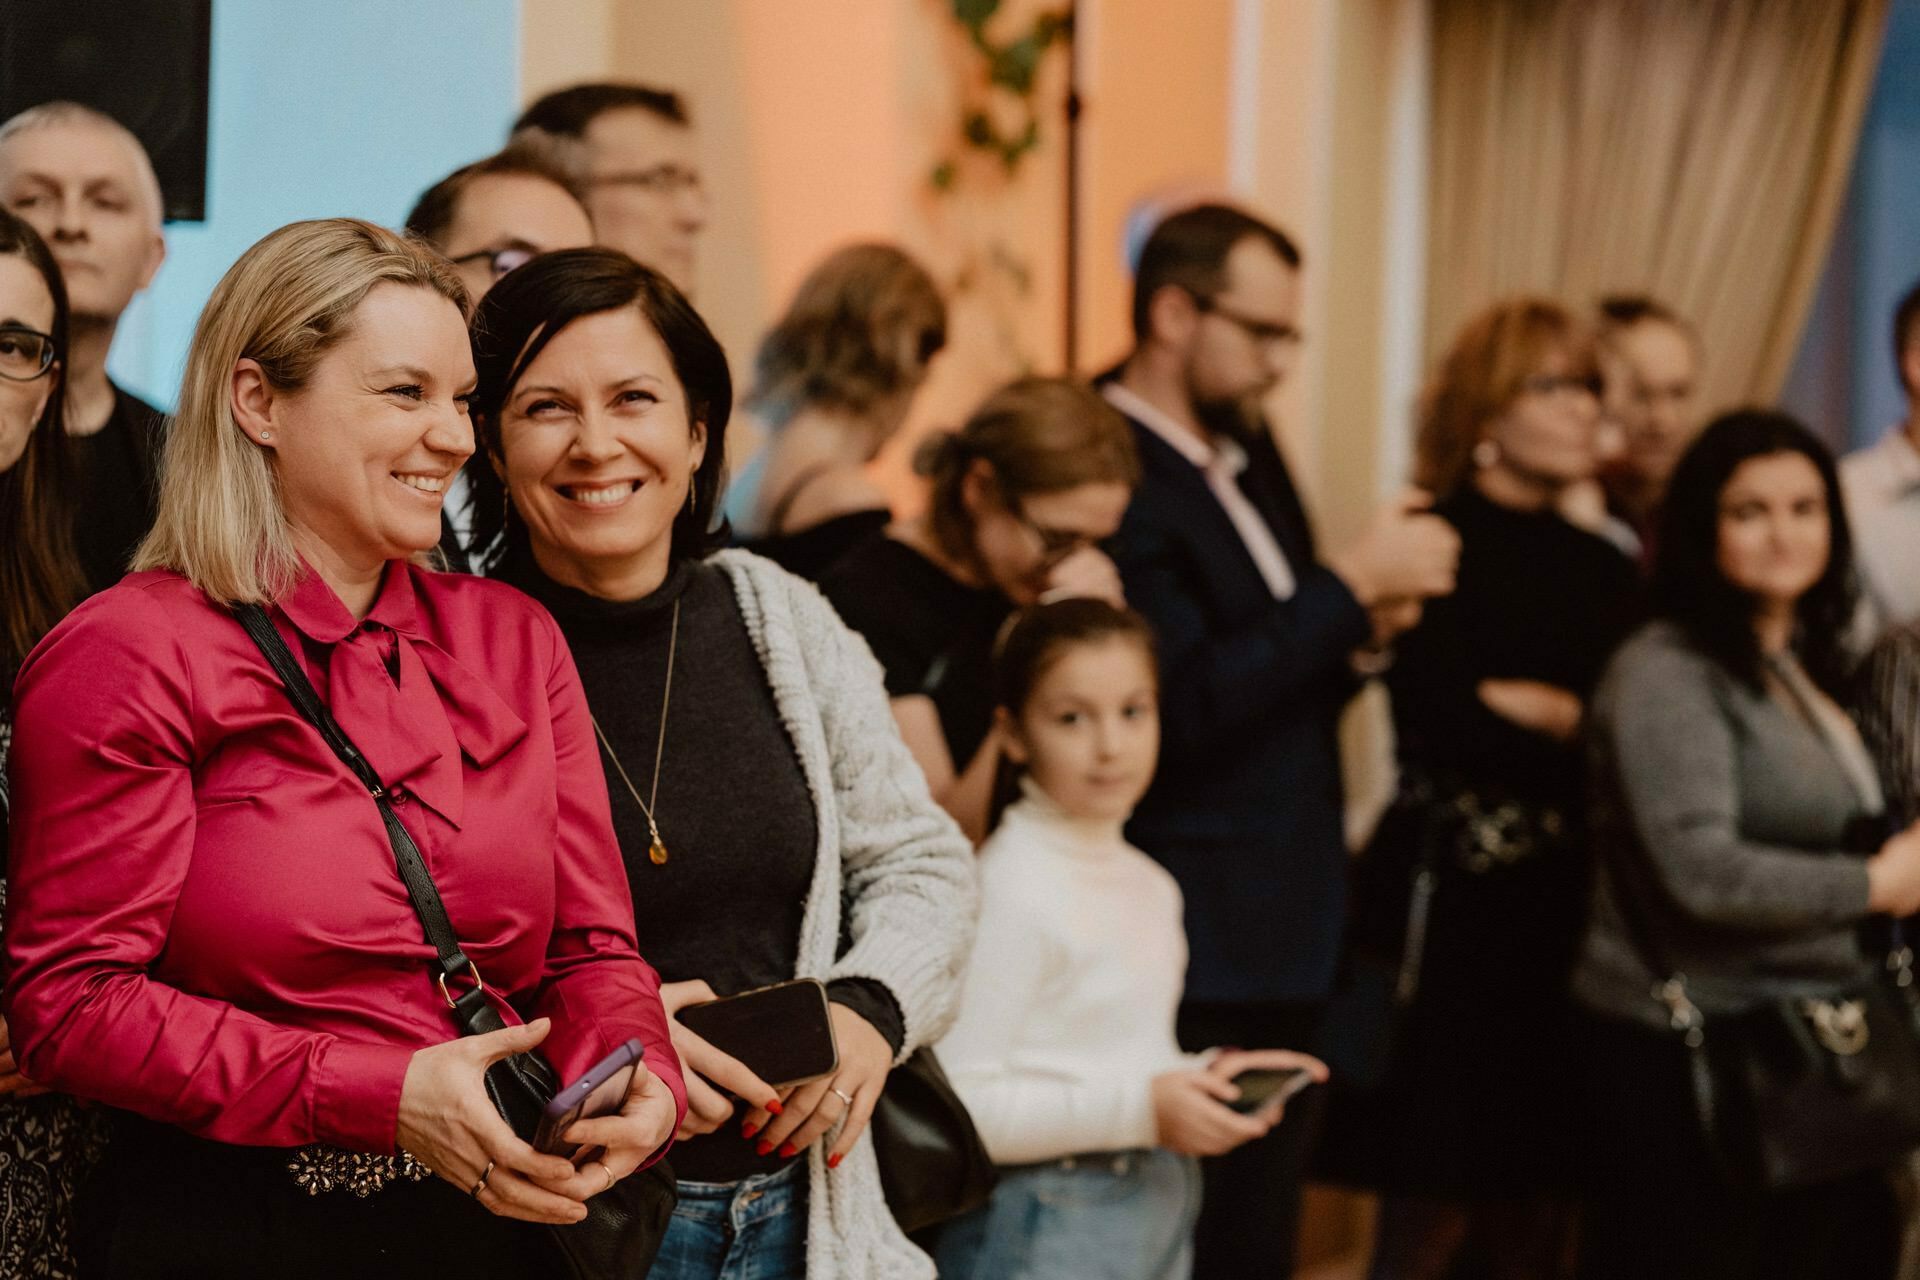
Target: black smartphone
(1268,1086)
(598,1092)
(780,1033)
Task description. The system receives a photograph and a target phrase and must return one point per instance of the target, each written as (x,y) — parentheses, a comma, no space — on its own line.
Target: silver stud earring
(1486,454)
(266,435)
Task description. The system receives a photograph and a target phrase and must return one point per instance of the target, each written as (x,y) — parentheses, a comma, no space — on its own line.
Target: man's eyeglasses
(1266,333)
(25,354)
(661,180)
(502,260)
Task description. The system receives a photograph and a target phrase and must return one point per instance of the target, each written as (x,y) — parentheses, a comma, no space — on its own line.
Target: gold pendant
(657,852)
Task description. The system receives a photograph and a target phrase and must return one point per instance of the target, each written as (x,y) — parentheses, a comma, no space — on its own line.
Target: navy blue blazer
(1246,810)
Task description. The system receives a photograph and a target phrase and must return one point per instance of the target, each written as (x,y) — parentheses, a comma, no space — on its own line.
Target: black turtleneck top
(734,809)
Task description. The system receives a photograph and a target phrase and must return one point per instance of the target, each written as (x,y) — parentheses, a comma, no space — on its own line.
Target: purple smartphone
(597,1093)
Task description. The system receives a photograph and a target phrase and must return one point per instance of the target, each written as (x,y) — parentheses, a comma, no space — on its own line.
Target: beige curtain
(1697,150)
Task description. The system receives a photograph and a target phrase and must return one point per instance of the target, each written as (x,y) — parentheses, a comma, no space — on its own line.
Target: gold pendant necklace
(657,849)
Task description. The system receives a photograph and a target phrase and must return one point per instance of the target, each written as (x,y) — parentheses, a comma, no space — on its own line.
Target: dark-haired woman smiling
(772,823)
(47,1143)
(1734,803)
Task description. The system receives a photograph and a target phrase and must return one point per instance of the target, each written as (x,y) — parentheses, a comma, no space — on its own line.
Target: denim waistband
(763,1195)
(1117,1163)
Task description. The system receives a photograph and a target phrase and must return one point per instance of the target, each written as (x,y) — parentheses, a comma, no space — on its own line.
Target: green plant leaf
(1014,64)
(974,14)
(1049,27)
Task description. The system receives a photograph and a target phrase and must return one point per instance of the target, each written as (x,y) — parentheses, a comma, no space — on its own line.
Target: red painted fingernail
(774,1108)
(788,1150)
(833,1161)
(748,1128)
(763,1147)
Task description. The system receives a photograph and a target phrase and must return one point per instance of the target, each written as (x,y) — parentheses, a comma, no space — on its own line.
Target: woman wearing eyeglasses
(1477,875)
(47,1142)
(1019,499)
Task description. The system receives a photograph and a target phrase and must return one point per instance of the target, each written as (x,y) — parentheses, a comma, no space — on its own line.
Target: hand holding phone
(782,1033)
(1266,1078)
(599,1091)
(1262,1089)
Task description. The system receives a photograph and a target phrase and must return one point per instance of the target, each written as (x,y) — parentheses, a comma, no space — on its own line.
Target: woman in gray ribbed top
(1737,809)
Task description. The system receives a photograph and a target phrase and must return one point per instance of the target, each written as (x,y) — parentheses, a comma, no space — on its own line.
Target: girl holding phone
(1064,1050)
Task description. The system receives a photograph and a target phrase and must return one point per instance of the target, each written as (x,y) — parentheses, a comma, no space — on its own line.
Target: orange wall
(1155,83)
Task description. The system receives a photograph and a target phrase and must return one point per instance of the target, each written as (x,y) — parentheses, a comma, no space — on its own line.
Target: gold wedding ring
(846,1098)
(481,1185)
(610,1177)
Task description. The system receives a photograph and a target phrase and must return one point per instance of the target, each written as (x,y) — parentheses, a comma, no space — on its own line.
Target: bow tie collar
(412,708)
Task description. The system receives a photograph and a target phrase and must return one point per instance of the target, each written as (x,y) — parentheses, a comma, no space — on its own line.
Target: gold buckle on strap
(448,996)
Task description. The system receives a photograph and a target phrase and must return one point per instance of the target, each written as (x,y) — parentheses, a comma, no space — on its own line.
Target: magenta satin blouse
(206,925)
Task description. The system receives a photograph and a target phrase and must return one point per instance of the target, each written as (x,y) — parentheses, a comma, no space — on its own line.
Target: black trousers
(1658,1208)
(1250,1214)
(166,1205)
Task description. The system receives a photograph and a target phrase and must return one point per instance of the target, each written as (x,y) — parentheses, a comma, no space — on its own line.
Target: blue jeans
(1123,1215)
(755,1229)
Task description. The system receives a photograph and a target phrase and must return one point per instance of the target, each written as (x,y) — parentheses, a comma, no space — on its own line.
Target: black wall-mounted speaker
(143,62)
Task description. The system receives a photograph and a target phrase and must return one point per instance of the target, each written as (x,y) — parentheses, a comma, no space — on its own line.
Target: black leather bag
(1797,1091)
(1800,1092)
(1391,888)
(933,1165)
(1438,830)
(625,1223)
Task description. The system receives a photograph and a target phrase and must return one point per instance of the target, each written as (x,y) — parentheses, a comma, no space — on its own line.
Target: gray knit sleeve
(910,884)
(1675,759)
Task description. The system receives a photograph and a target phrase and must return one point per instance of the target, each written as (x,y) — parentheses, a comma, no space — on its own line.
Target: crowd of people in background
(1044,777)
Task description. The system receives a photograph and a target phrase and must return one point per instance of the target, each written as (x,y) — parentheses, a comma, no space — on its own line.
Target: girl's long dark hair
(1038,636)
(523,312)
(1690,589)
(40,575)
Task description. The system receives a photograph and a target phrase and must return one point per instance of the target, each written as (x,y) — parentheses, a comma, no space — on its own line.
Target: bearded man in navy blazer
(1262,643)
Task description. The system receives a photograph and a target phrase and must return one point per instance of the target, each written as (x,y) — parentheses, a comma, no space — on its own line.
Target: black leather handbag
(1803,1090)
(933,1165)
(625,1223)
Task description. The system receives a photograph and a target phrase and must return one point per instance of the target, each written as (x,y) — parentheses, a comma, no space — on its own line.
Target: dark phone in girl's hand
(1263,1088)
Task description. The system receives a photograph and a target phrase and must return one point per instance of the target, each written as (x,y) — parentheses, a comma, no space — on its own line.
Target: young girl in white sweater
(1064,1050)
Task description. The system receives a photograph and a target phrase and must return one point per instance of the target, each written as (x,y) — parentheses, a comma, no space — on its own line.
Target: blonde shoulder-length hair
(285,303)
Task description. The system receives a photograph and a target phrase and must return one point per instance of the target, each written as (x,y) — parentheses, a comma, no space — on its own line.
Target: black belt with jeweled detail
(318,1167)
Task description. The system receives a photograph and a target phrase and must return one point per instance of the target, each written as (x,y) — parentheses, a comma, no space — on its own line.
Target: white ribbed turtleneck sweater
(1068,1009)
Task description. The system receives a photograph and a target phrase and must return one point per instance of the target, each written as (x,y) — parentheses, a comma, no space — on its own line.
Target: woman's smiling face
(599,450)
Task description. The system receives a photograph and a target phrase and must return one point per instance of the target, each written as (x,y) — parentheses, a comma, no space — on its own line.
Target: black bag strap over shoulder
(473,1013)
(625,1223)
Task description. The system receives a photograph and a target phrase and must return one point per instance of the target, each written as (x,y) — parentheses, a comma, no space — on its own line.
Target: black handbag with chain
(625,1223)
(1799,1090)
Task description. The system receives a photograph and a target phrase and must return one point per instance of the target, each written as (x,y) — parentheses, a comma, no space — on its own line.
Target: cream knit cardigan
(888,856)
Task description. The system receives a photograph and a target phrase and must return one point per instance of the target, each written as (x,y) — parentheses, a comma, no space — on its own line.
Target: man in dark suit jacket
(1262,644)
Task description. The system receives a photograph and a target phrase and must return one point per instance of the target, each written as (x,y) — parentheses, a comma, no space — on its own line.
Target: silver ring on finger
(844,1097)
(481,1185)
